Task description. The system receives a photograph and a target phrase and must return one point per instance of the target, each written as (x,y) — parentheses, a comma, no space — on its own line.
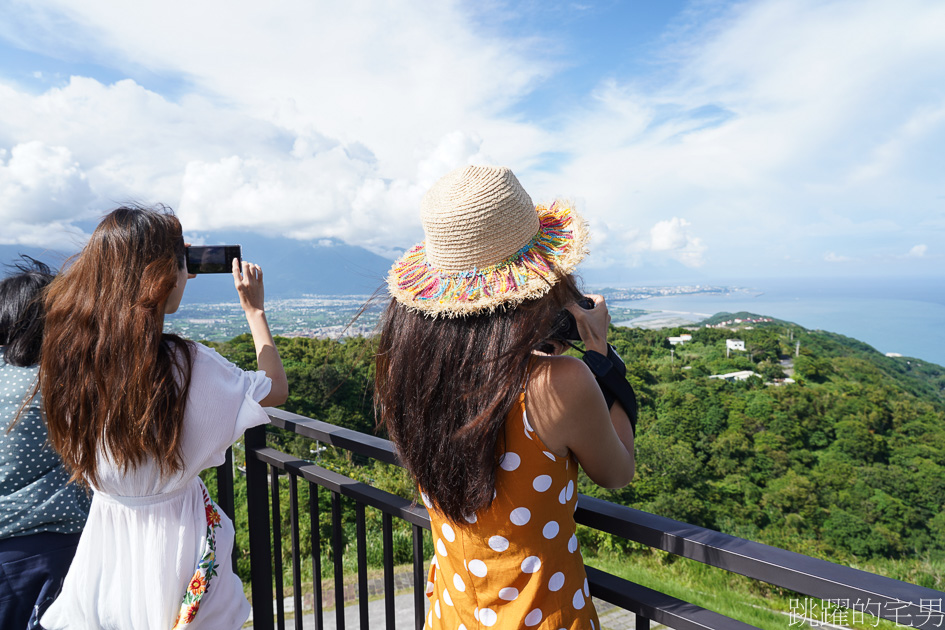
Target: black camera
(565,327)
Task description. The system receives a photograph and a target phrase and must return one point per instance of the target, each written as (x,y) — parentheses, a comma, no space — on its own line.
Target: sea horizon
(893,315)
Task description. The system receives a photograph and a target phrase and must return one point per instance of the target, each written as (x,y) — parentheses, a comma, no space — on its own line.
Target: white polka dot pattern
(508,593)
(509,558)
(509,462)
(448,533)
(531,564)
(556,582)
(578,599)
(520,516)
(541,483)
(478,568)
(34,484)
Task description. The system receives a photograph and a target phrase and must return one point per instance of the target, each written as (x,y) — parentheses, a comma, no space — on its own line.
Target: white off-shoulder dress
(155,552)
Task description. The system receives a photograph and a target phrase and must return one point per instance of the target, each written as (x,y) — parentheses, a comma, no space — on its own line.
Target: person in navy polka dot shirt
(41,513)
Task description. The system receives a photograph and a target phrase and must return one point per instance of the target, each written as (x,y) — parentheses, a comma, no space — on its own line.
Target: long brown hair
(444,386)
(111,381)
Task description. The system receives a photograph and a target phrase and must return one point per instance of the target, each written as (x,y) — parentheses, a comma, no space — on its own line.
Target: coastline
(903,316)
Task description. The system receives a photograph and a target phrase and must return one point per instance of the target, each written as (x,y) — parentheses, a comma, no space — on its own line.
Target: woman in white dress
(136,414)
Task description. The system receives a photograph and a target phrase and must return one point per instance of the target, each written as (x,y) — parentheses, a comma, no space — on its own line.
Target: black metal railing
(875,595)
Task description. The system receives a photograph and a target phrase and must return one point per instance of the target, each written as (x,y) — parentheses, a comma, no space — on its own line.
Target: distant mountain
(294,268)
(9,253)
(291,268)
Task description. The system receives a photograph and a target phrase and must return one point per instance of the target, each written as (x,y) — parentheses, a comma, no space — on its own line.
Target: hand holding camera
(591,322)
(587,320)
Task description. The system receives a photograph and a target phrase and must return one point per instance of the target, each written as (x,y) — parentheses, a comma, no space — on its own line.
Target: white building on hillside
(735,344)
(743,375)
(679,340)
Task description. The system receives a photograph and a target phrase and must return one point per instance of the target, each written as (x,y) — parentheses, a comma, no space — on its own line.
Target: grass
(750,601)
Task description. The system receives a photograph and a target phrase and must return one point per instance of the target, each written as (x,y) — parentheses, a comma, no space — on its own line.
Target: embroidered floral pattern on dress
(206,568)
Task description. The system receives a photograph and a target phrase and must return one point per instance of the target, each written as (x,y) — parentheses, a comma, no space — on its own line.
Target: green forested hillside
(847,463)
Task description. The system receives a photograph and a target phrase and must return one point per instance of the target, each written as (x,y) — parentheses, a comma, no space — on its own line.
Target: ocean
(901,315)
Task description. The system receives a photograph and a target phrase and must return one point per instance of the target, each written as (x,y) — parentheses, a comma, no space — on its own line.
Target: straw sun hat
(487,246)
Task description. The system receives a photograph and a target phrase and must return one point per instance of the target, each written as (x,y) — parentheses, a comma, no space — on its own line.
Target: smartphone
(212,258)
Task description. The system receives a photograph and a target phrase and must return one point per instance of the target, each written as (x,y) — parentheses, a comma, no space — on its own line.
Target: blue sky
(702,139)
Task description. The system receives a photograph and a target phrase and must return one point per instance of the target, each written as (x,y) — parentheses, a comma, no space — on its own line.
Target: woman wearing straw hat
(491,430)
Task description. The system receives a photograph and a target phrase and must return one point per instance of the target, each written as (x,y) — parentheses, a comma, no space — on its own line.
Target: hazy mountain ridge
(291,268)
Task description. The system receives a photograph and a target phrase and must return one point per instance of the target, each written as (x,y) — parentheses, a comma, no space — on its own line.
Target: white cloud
(833,257)
(781,113)
(918,251)
(43,188)
(329,122)
(329,194)
(673,236)
(778,127)
(394,76)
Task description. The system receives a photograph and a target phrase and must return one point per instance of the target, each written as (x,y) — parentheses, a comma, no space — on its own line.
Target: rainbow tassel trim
(527,274)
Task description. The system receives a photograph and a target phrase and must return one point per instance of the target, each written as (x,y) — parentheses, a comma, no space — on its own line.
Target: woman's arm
(249,285)
(569,413)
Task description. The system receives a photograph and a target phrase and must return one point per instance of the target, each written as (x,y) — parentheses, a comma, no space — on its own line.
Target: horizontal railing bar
(361,492)
(360,443)
(794,571)
(662,608)
(610,588)
(797,572)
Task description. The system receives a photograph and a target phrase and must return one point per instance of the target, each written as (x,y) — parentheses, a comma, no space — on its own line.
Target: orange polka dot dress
(515,563)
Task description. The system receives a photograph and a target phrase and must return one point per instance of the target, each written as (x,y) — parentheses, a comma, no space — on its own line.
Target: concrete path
(611,617)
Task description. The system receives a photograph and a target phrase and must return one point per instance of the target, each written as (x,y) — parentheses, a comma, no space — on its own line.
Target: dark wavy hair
(111,380)
(21,311)
(444,386)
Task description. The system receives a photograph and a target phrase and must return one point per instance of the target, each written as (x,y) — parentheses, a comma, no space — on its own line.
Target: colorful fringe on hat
(559,246)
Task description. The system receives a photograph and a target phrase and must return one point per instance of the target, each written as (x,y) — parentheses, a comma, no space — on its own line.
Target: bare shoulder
(561,378)
(559,372)
(559,388)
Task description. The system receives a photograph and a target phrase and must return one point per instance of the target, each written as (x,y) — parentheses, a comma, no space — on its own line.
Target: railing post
(260,555)
(225,493)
